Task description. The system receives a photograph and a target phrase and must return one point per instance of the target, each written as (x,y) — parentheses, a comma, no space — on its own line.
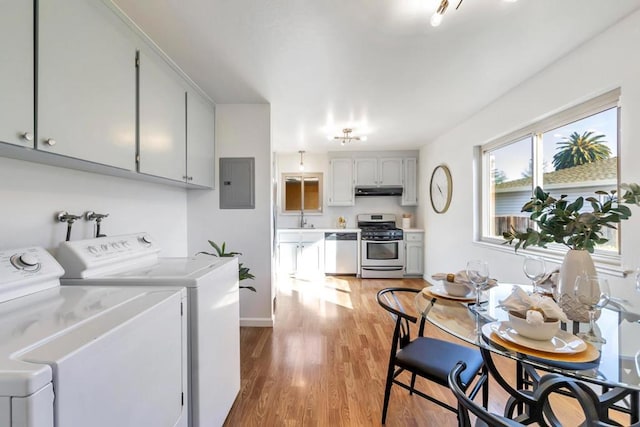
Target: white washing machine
(87,356)
(212,299)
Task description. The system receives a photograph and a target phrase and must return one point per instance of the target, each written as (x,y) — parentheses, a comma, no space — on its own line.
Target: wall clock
(441,188)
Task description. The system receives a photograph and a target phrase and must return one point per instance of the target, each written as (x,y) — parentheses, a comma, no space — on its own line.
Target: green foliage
(579,149)
(221,251)
(561,221)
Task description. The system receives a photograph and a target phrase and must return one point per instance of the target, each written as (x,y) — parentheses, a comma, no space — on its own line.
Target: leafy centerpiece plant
(580,226)
(221,251)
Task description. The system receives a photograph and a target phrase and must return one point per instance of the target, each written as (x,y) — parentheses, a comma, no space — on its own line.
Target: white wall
(241,131)
(606,62)
(31,194)
(319,162)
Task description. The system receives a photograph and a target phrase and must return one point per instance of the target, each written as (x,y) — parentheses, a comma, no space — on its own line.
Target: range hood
(378,191)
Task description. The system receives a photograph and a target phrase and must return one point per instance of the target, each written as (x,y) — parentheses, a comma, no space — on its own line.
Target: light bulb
(301,166)
(363,138)
(436,19)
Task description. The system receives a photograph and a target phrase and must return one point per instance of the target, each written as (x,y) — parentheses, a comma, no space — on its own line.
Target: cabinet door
(16,72)
(341,183)
(410,190)
(200,140)
(162,119)
(390,172)
(86,82)
(413,258)
(311,259)
(287,257)
(366,171)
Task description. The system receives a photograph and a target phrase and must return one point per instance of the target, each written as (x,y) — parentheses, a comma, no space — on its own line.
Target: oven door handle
(383,268)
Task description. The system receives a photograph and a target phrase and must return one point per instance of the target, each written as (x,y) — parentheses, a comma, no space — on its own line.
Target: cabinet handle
(27,136)
(184,176)
(190,178)
(50,141)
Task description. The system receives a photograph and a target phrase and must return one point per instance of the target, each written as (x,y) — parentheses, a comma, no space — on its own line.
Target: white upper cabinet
(86,82)
(162,119)
(200,140)
(16,73)
(341,191)
(410,190)
(378,171)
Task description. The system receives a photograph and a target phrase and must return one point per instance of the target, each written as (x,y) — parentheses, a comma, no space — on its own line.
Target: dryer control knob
(29,260)
(146,240)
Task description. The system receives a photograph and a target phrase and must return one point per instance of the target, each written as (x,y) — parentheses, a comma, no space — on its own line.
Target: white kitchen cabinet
(378,172)
(86,82)
(414,253)
(162,118)
(16,73)
(200,140)
(341,191)
(301,253)
(410,182)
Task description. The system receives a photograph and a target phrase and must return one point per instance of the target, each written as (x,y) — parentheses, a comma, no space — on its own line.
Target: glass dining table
(614,365)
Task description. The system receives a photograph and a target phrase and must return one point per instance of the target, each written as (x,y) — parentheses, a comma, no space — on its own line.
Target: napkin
(461,277)
(549,281)
(522,302)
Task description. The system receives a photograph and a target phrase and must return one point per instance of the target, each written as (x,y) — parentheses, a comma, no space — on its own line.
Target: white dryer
(213,306)
(87,356)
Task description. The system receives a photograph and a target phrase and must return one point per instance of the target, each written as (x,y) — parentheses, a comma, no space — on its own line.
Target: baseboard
(256,322)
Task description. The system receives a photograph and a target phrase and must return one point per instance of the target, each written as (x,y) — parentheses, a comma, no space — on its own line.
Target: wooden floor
(324,362)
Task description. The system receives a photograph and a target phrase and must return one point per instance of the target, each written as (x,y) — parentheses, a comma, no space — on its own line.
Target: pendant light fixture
(301,160)
(436,18)
(347,137)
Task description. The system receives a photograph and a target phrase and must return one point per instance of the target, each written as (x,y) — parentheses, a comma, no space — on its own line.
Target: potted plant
(571,223)
(220,251)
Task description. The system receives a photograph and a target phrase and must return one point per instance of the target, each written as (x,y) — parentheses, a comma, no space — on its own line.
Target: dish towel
(461,277)
(536,307)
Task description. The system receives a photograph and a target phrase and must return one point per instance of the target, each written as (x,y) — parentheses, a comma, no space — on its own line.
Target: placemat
(426,293)
(589,355)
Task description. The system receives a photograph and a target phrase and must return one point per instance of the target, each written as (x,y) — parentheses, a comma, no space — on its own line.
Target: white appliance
(87,356)
(212,298)
(341,252)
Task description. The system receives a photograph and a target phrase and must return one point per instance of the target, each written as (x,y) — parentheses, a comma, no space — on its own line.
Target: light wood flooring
(324,362)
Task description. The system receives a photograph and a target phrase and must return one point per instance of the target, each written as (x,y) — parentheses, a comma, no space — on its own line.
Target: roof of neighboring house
(602,170)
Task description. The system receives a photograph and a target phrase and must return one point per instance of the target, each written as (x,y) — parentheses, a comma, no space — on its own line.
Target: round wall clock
(441,188)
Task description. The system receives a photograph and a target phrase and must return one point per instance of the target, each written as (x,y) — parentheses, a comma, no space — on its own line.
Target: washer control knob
(147,240)
(29,260)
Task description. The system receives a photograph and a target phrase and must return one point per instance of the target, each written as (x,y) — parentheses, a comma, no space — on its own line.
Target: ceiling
(375,65)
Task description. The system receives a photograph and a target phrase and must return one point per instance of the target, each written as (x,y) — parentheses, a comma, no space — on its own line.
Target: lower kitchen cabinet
(301,254)
(414,252)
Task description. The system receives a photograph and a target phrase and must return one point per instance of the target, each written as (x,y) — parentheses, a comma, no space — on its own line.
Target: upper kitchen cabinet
(86,82)
(341,182)
(200,140)
(163,118)
(410,187)
(378,172)
(16,73)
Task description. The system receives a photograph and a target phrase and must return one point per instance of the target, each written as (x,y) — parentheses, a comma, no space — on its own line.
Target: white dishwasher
(341,252)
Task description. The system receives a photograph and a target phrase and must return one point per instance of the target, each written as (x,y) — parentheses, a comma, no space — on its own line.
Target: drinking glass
(478,275)
(592,292)
(533,268)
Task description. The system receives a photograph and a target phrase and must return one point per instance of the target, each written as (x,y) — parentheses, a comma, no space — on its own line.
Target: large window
(574,152)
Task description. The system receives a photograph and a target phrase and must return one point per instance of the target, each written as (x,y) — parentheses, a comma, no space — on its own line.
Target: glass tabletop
(617,366)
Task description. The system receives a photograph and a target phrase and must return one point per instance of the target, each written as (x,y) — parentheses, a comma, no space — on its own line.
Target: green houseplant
(221,251)
(571,224)
(565,222)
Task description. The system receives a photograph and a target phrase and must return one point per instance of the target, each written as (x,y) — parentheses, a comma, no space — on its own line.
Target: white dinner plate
(441,292)
(563,343)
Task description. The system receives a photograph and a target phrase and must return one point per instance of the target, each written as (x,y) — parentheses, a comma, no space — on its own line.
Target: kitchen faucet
(303,221)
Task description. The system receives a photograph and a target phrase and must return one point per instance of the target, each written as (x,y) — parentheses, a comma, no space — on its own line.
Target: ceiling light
(436,18)
(347,137)
(301,159)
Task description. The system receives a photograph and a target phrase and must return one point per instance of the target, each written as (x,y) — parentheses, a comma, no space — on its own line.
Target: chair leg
(413,383)
(485,388)
(387,391)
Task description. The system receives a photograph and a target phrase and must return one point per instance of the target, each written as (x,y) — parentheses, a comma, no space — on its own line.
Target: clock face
(441,189)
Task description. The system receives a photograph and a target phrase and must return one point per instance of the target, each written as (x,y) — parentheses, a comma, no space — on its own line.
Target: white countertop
(413,230)
(323,230)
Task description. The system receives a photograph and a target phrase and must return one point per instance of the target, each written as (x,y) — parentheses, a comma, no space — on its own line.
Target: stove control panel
(27,270)
(105,255)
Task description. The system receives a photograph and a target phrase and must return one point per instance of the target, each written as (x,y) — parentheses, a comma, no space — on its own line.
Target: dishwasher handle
(341,236)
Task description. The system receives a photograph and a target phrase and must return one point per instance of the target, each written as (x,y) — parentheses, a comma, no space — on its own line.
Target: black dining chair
(426,357)
(541,412)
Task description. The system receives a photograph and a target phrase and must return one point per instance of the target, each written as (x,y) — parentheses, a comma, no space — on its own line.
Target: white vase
(576,262)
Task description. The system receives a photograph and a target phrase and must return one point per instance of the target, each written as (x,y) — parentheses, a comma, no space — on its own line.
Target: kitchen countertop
(323,230)
(414,230)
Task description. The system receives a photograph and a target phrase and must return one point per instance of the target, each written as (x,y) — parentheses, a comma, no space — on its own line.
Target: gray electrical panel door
(237,187)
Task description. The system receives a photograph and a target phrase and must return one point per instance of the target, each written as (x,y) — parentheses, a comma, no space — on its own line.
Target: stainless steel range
(382,247)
